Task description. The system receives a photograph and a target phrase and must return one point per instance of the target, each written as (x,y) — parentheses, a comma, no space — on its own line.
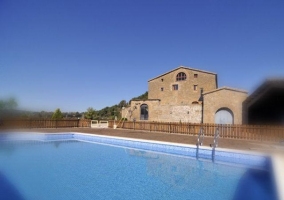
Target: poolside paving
(168,137)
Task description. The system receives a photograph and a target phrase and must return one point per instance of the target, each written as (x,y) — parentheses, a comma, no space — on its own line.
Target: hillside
(110,112)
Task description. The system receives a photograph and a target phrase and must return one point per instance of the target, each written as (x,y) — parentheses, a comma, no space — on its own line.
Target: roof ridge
(181,66)
(228,88)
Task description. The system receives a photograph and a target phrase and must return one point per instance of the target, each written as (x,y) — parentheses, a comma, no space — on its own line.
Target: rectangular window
(195,75)
(175,87)
(195,87)
(162,89)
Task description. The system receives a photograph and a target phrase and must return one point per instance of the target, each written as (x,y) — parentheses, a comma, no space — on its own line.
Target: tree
(2,104)
(7,107)
(122,103)
(90,114)
(112,111)
(77,114)
(141,97)
(11,103)
(57,114)
(8,104)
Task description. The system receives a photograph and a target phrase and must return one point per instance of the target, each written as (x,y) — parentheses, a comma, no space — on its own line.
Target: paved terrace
(169,137)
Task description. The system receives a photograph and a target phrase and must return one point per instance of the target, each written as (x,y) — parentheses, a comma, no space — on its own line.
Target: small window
(162,79)
(195,87)
(195,102)
(181,76)
(162,89)
(175,87)
(195,75)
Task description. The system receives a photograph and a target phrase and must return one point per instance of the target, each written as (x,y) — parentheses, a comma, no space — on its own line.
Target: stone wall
(133,111)
(161,87)
(166,113)
(184,113)
(224,98)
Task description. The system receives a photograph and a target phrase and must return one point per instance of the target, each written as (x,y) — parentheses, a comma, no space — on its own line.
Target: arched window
(181,76)
(144,112)
(224,116)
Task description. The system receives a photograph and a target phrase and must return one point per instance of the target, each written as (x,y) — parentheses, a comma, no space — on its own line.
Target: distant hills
(8,110)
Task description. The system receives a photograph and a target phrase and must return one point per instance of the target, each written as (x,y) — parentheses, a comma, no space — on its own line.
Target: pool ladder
(199,140)
(215,143)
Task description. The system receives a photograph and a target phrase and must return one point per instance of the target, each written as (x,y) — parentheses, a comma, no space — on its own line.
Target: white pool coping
(174,144)
(251,152)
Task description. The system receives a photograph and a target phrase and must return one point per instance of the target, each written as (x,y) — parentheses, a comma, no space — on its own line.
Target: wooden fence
(38,123)
(246,132)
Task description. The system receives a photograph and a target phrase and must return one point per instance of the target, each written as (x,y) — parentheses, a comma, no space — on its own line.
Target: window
(162,79)
(175,87)
(181,76)
(195,75)
(195,87)
(162,89)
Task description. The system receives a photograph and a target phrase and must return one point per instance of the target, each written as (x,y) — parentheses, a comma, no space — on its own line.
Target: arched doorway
(224,116)
(144,112)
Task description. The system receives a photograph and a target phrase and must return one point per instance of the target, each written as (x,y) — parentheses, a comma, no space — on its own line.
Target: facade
(188,95)
(181,86)
(223,106)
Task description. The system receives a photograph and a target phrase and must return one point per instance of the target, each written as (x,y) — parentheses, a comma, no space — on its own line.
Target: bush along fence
(246,132)
(45,123)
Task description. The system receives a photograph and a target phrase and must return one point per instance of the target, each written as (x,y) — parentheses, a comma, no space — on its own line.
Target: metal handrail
(215,143)
(200,139)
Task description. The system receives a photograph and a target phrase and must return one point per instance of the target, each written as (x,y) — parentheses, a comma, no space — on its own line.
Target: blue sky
(73,54)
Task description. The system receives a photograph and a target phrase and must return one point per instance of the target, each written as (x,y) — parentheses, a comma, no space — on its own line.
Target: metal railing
(215,143)
(200,139)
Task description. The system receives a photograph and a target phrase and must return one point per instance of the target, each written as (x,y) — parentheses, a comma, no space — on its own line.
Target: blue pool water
(73,169)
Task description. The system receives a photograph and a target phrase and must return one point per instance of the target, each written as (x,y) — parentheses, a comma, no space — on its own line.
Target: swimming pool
(83,166)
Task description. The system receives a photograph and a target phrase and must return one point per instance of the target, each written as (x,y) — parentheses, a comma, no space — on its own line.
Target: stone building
(223,106)
(188,95)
